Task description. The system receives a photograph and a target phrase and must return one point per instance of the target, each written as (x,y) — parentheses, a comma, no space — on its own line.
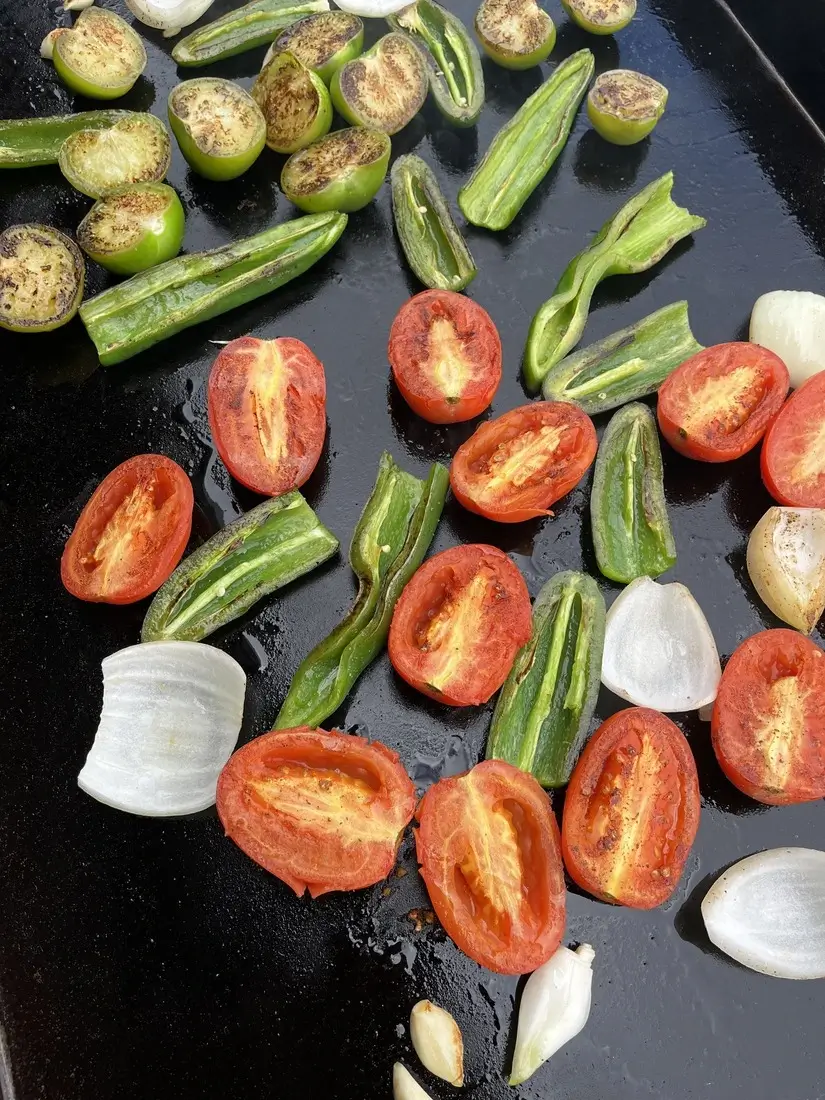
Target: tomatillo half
(41,278)
(100,56)
(342,171)
(135,150)
(133,228)
(294,102)
(219,127)
(323,42)
(624,106)
(600,16)
(516,34)
(384,88)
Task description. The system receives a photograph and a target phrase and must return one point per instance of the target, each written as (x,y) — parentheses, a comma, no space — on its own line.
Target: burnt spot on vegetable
(292,100)
(41,278)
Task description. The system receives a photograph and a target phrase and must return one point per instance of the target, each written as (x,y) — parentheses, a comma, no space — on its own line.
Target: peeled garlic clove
(768,912)
(77,5)
(47,45)
(786,562)
(791,323)
(436,1038)
(405,1086)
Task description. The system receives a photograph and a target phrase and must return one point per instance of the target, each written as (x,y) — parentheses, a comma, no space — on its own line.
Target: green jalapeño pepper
(631,529)
(275,543)
(149,307)
(27,142)
(633,240)
(526,147)
(389,543)
(544,709)
(242,29)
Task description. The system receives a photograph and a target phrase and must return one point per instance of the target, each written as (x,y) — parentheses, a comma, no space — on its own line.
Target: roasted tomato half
(488,846)
(719,403)
(459,623)
(322,811)
(267,411)
(793,454)
(445,355)
(632,810)
(768,724)
(514,467)
(131,534)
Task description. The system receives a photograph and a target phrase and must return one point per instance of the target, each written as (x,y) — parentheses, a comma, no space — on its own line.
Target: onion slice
(786,562)
(171,716)
(169,16)
(768,912)
(791,323)
(372,9)
(659,651)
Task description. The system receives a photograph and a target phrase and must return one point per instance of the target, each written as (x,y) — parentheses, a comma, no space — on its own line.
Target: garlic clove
(77,5)
(405,1086)
(437,1041)
(786,562)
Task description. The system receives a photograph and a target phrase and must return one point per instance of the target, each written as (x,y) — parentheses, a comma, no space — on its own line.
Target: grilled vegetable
(793,456)
(786,563)
(135,150)
(544,709)
(791,323)
(169,16)
(516,34)
(526,147)
(342,171)
(219,128)
(384,88)
(41,278)
(388,545)
(628,514)
(100,56)
(262,551)
(600,16)
(242,29)
(624,106)
(27,142)
(295,103)
(135,227)
(633,240)
(323,42)
(158,303)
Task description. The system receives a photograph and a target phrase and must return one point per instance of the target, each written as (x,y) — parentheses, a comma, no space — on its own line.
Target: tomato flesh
(793,455)
(488,845)
(321,811)
(131,534)
(459,623)
(632,810)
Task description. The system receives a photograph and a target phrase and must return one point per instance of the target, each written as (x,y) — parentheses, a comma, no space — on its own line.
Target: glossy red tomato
(131,534)
(632,810)
(459,623)
(488,845)
(768,725)
(514,467)
(322,811)
(445,355)
(267,411)
(793,454)
(719,403)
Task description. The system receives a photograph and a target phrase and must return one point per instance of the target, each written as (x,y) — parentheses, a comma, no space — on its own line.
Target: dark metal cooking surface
(151,959)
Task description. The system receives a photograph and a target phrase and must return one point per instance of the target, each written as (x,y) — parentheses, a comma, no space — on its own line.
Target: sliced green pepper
(542,714)
(275,543)
(389,543)
(454,67)
(149,307)
(243,29)
(526,147)
(631,529)
(633,240)
(432,243)
(28,142)
(629,364)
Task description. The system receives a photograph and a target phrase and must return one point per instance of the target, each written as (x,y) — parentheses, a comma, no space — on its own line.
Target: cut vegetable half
(169,16)
(791,323)
(343,171)
(384,88)
(41,278)
(323,42)
(133,228)
(295,103)
(600,16)
(516,34)
(135,150)
(624,106)
(100,56)
(786,562)
(219,127)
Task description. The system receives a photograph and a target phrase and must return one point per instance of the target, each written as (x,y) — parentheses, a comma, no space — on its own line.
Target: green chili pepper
(149,307)
(526,147)
(389,543)
(27,142)
(243,29)
(631,529)
(633,240)
(454,67)
(267,548)
(432,242)
(542,714)
(629,364)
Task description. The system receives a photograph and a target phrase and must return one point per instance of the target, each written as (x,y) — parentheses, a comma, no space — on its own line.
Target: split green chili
(27,142)
(242,29)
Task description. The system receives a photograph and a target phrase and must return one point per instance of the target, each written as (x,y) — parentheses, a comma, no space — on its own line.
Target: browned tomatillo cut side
(219,127)
(41,278)
(385,88)
(294,101)
(323,42)
(516,34)
(343,171)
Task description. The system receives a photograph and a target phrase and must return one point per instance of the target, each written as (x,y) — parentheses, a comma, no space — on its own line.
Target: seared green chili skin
(626,365)
(242,29)
(544,709)
(432,242)
(27,142)
(265,549)
(631,530)
(149,307)
(389,543)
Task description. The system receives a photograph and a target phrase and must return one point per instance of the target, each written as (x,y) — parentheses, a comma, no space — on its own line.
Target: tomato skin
(499,448)
(774,683)
(430,325)
(635,758)
(467,823)
(148,500)
(265,784)
(797,439)
(718,404)
(255,385)
(479,593)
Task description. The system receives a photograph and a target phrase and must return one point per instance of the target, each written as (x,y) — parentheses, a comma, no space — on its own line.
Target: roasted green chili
(242,29)
(27,142)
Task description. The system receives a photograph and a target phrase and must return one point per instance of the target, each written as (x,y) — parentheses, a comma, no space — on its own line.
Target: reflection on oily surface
(612,168)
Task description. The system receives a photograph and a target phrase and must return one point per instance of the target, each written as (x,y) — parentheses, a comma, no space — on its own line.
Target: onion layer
(786,562)
(169,16)
(791,323)
(371,9)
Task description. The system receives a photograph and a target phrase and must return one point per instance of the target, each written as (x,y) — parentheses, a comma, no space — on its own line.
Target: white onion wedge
(659,651)
(171,717)
(791,323)
(786,562)
(405,1086)
(47,45)
(169,16)
(372,9)
(768,912)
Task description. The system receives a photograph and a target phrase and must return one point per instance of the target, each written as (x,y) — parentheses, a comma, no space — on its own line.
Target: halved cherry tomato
(514,467)
(768,725)
(321,811)
(459,623)
(488,845)
(719,403)
(267,411)
(131,534)
(445,355)
(632,810)
(793,454)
